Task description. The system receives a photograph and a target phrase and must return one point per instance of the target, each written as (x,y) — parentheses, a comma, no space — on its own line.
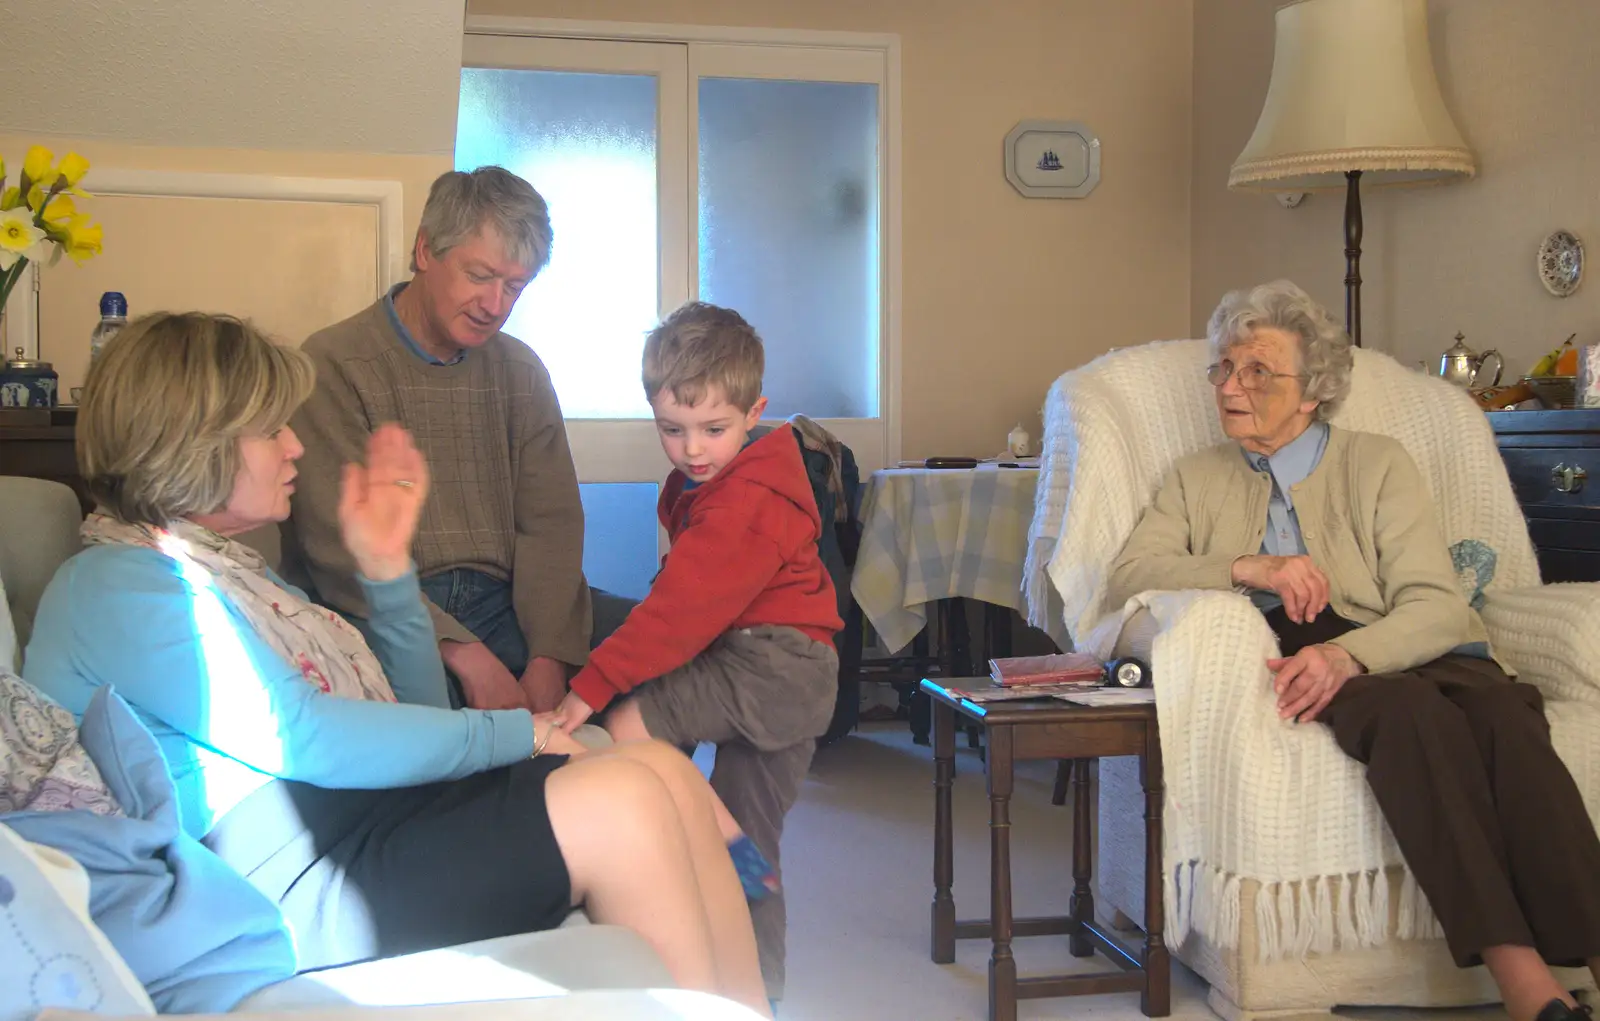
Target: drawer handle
(1568,478)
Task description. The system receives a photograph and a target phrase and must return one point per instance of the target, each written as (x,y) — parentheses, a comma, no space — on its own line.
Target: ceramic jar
(26,383)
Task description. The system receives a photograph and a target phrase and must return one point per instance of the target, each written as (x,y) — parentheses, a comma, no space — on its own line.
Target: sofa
(578,970)
(1112,428)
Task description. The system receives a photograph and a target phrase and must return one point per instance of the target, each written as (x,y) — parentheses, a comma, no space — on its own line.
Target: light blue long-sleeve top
(229,713)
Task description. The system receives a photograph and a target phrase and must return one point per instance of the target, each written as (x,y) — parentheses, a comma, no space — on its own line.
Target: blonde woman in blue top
(325,764)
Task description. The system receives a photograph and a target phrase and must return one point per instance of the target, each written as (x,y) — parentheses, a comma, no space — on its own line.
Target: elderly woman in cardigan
(1333,536)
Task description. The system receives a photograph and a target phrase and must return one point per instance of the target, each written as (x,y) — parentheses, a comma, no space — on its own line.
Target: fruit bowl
(1553,391)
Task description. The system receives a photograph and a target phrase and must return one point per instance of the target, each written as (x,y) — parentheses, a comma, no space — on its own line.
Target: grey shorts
(769,687)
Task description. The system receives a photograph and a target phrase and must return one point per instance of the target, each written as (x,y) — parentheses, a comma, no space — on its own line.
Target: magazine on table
(1096,697)
(1021,692)
(1069,668)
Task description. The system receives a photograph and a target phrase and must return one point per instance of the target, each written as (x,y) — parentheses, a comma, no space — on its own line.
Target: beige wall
(1003,293)
(292,267)
(1520,80)
(309,88)
(344,75)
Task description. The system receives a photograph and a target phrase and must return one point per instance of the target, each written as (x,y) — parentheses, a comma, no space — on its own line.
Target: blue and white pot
(26,383)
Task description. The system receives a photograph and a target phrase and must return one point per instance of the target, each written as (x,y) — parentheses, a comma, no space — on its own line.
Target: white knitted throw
(1249,796)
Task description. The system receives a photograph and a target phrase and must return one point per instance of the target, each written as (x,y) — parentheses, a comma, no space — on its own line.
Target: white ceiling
(377,76)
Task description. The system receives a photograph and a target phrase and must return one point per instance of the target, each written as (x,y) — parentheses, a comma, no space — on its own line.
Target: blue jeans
(483,605)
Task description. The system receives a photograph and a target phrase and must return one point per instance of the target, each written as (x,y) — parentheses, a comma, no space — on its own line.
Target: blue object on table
(27,383)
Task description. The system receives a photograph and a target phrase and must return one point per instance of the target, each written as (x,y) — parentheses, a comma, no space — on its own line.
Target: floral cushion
(43,768)
(10,655)
(1475,563)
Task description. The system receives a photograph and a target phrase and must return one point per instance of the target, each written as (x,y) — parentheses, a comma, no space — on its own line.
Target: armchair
(1284,888)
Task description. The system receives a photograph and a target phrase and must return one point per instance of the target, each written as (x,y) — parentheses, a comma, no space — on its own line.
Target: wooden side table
(1048,729)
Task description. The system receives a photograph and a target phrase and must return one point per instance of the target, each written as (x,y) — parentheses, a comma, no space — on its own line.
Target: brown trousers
(761,695)
(1459,758)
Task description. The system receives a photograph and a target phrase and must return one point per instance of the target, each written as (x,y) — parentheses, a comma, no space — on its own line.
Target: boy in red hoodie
(734,643)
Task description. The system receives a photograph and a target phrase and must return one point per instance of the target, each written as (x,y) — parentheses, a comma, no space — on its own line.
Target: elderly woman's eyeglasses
(1252,377)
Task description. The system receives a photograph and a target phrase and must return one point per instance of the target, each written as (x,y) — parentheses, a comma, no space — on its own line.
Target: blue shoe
(756,874)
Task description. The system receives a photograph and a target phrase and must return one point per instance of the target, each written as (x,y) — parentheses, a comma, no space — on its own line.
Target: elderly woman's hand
(1298,581)
(379,504)
(1307,681)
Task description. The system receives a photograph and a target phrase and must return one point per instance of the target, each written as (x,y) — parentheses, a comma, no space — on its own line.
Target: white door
(749,176)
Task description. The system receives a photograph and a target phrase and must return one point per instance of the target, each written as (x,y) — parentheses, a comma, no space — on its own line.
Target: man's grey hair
(1324,347)
(460,204)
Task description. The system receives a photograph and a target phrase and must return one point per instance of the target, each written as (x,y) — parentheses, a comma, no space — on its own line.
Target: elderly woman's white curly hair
(1324,347)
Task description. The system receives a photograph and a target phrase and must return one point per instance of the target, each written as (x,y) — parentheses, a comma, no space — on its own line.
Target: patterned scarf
(329,651)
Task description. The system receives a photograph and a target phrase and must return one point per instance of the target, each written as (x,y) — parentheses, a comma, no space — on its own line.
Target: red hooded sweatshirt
(744,553)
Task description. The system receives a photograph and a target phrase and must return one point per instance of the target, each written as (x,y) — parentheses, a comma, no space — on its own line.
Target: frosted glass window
(620,531)
(587,142)
(788,233)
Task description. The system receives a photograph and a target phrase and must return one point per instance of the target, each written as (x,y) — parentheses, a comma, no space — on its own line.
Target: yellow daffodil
(10,198)
(83,238)
(36,196)
(38,168)
(73,167)
(59,210)
(18,236)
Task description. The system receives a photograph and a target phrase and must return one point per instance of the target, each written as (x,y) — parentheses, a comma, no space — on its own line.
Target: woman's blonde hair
(165,405)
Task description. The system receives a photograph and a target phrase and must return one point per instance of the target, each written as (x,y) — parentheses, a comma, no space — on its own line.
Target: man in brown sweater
(500,545)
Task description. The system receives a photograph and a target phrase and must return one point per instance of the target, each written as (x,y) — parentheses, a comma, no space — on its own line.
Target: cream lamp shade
(1352,88)
(1352,96)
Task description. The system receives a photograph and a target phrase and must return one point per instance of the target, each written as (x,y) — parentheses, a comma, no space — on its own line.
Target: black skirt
(365,874)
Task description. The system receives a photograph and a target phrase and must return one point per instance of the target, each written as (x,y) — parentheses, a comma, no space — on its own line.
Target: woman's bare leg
(626,725)
(632,864)
(1526,984)
(733,939)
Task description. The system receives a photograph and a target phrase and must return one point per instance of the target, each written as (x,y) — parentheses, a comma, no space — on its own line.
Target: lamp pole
(1352,255)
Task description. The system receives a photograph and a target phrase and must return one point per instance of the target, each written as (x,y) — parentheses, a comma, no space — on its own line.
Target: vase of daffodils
(39,217)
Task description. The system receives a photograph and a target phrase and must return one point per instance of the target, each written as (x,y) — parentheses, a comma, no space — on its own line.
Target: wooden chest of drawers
(38,443)
(1553,458)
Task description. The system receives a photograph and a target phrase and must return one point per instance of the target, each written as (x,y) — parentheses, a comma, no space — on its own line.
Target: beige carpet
(858,863)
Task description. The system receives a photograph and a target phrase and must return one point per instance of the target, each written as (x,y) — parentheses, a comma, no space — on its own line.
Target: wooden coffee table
(1048,729)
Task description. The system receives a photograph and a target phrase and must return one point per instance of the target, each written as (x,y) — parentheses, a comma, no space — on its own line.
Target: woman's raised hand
(379,503)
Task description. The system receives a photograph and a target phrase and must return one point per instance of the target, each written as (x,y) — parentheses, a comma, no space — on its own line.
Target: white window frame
(789,54)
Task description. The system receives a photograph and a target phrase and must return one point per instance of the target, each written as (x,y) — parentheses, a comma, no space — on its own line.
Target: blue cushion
(50,953)
(193,930)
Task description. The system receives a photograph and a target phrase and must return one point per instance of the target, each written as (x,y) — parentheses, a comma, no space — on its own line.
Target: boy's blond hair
(702,346)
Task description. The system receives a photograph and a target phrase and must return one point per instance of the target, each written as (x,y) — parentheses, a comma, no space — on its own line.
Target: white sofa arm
(524,966)
(583,1005)
(1551,635)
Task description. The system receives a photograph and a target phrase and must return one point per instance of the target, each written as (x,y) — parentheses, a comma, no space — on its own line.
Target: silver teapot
(1462,366)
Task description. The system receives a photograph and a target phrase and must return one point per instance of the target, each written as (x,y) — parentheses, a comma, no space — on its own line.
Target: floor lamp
(1353,99)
